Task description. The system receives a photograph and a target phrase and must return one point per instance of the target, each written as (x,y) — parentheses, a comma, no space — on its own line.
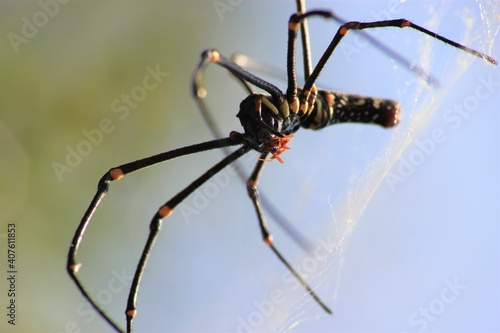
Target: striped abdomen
(335,107)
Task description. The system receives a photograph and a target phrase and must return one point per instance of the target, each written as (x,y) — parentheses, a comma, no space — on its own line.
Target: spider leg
(102,189)
(253,193)
(199,94)
(304,37)
(213,56)
(155,226)
(353,25)
(309,91)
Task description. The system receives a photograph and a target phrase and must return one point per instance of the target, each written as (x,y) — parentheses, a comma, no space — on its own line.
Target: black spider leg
(199,94)
(304,37)
(253,193)
(163,212)
(102,189)
(308,90)
(210,56)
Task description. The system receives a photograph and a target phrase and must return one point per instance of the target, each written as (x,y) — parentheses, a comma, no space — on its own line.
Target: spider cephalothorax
(260,118)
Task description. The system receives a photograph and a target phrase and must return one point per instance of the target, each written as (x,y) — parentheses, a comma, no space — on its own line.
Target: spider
(269,122)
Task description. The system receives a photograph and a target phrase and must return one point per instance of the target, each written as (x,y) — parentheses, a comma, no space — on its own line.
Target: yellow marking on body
(360,102)
(311,99)
(270,105)
(343,31)
(269,240)
(304,107)
(310,108)
(330,112)
(319,112)
(304,101)
(330,99)
(116,174)
(283,107)
(294,105)
(165,211)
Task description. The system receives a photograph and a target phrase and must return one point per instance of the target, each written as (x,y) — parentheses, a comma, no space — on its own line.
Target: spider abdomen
(334,107)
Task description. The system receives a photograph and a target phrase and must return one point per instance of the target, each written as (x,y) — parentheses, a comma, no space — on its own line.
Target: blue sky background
(404,222)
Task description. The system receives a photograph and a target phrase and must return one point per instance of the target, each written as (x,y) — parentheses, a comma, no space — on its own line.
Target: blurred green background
(61,81)
(64,78)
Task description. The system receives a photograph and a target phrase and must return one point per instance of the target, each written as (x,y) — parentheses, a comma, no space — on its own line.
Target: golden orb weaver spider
(268,121)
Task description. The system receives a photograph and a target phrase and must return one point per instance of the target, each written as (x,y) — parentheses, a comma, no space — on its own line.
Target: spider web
(481,26)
